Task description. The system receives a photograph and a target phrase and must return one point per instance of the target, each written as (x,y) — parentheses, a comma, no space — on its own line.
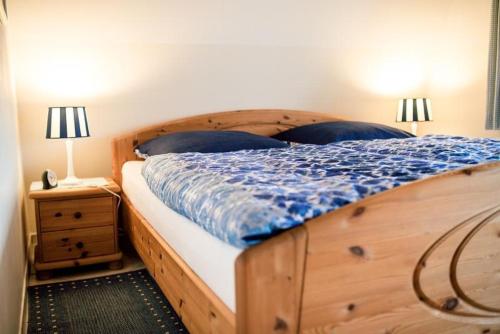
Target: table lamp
(414,110)
(68,123)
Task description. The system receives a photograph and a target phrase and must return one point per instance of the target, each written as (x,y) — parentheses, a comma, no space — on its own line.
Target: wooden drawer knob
(79,245)
(58,214)
(77,215)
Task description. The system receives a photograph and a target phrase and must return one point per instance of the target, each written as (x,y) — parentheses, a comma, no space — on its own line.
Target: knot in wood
(357,250)
(280,324)
(450,304)
(358,211)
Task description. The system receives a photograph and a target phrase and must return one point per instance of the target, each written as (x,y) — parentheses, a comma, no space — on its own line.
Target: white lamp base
(71,180)
(414,126)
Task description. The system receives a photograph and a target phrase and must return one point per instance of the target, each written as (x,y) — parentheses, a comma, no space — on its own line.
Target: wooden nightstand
(75,227)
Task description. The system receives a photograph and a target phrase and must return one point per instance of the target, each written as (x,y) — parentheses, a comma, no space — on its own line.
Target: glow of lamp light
(393,76)
(70,78)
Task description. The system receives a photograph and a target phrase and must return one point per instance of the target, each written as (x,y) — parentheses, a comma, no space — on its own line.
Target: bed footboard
(422,258)
(269,282)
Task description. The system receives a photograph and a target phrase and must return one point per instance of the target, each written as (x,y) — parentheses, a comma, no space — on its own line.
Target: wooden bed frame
(421,258)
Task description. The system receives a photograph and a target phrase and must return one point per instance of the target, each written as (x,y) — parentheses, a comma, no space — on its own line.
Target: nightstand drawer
(76,213)
(78,244)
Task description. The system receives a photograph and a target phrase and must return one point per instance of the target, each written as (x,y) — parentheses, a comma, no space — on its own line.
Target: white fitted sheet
(210,258)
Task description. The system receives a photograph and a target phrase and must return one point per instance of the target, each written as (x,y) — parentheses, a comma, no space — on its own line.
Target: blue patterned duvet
(245,197)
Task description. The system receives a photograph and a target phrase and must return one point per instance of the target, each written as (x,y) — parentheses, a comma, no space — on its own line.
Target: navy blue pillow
(206,142)
(329,132)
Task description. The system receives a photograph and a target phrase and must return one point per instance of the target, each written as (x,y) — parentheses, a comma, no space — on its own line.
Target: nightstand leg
(43,275)
(115,265)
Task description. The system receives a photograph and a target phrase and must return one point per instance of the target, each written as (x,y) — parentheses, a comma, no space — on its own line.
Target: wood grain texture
(78,243)
(467,260)
(360,261)
(266,122)
(362,258)
(43,266)
(62,192)
(269,282)
(76,226)
(464,262)
(199,308)
(76,213)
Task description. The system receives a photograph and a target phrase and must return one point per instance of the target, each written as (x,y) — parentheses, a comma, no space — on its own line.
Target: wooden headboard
(265,122)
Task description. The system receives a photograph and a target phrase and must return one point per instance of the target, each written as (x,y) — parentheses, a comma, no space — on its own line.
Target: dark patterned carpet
(125,303)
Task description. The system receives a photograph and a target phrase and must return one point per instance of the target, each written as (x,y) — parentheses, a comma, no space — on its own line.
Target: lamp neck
(71,179)
(70,170)
(414,126)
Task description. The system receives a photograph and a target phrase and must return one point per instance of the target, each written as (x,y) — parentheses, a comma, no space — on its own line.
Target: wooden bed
(421,258)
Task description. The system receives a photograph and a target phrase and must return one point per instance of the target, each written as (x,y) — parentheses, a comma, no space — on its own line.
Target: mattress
(245,197)
(210,258)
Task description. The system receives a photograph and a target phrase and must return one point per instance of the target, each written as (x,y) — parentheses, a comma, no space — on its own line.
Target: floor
(131,262)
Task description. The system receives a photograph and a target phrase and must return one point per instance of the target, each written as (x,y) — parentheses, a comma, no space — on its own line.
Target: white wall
(12,250)
(133,63)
